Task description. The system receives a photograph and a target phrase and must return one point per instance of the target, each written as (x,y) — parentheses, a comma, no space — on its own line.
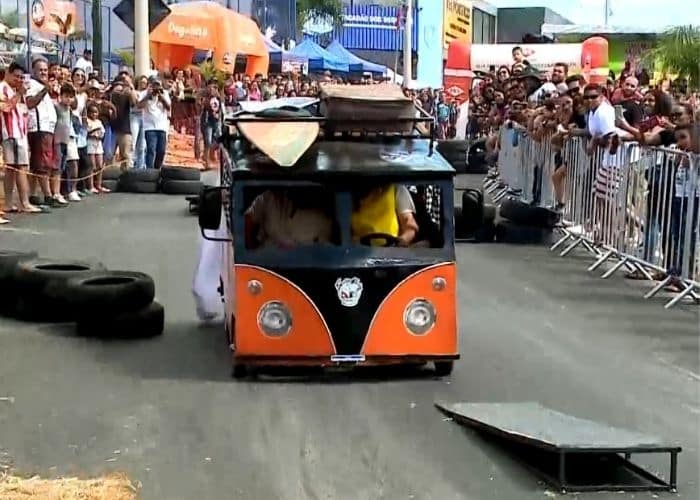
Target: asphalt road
(533,327)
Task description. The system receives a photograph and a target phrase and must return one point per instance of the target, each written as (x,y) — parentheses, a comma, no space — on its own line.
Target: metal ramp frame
(565,442)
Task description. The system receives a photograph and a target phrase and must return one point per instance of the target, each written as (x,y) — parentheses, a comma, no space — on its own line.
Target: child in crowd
(65,137)
(95,151)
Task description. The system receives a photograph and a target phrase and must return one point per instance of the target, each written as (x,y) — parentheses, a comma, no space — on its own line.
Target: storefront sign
(370,22)
(364,27)
(187,31)
(457,21)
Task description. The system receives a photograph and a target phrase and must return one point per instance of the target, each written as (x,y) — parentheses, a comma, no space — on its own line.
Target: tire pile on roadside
(102,303)
(167,180)
(465,156)
(475,219)
(524,223)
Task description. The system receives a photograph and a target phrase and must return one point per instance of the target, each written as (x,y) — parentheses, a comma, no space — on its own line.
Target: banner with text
(457,21)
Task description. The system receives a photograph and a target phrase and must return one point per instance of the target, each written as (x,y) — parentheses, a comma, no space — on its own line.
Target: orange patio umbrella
(208,26)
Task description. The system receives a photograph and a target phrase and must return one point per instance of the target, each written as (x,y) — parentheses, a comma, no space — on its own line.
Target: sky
(652,13)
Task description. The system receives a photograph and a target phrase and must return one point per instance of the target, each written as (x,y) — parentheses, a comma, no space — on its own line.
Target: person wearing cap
(84,62)
(155,103)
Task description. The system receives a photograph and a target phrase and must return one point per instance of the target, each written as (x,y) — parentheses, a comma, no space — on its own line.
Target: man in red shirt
(15,149)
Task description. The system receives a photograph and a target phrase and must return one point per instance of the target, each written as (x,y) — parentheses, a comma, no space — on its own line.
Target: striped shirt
(14,122)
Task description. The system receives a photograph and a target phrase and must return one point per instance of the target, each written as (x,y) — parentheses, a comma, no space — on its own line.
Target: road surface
(533,327)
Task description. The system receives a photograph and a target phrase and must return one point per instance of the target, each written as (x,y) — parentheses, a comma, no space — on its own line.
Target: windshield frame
(345,255)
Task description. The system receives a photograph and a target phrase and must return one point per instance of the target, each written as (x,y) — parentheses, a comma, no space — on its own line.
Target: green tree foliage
(10,19)
(677,51)
(320,9)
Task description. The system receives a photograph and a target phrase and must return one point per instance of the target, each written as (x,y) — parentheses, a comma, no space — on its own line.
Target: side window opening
(289,217)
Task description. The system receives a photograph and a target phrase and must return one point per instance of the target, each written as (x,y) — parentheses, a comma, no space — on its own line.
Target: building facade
(523,25)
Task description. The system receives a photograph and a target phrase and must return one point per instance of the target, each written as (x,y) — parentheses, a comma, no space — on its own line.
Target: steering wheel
(388,239)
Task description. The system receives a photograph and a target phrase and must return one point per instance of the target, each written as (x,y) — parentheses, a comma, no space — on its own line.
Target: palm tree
(677,51)
(97,34)
(319,9)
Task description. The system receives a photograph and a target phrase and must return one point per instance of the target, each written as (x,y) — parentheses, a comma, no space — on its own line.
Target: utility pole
(142,56)
(407,48)
(607,12)
(29,35)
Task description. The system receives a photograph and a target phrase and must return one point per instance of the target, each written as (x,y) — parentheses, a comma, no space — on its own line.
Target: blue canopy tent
(282,58)
(356,64)
(319,58)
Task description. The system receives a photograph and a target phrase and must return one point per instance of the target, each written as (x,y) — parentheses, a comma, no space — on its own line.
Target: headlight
(419,317)
(274,319)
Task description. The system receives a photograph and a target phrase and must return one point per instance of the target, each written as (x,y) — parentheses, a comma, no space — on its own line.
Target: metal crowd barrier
(635,210)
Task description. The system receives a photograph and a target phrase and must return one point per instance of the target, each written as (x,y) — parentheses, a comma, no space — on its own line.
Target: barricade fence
(634,208)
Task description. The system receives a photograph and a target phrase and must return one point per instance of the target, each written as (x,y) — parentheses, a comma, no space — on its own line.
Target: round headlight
(274,319)
(419,317)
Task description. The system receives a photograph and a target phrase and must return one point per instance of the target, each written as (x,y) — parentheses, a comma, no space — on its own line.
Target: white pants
(209,271)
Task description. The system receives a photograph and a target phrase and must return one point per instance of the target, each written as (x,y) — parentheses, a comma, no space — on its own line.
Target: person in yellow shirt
(387,210)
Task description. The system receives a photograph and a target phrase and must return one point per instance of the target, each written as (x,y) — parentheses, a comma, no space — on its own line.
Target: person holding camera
(155,103)
(124,97)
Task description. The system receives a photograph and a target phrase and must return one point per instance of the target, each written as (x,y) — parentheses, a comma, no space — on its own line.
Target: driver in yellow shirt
(387,210)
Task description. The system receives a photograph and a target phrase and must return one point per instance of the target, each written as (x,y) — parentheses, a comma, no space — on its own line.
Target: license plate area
(348,358)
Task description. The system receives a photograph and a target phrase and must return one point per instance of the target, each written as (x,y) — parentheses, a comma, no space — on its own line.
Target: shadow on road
(194,351)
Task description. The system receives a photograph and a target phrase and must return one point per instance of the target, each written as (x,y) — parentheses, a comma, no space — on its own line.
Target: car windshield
(385,215)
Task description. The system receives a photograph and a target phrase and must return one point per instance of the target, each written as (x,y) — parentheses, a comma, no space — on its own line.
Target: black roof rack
(347,128)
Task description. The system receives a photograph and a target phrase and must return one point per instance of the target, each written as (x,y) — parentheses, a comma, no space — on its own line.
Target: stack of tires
(466,157)
(110,178)
(455,152)
(524,223)
(102,303)
(180,180)
(168,180)
(143,181)
(474,220)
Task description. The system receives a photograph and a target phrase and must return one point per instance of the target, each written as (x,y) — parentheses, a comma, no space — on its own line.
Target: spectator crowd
(555,107)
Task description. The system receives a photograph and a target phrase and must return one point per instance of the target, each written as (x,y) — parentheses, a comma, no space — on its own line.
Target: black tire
(444,368)
(144,323)
(34,275)
(111,184)
(143,187)
(31,279)
(9,260)
(524,214)
(459,163)
(104,292)
(486,233)
(510,232)
(461,231)
(181,187)
(453,147)
(476,164)
(240,371)
(180,174)
(141,175)
(472,209)
(111,174)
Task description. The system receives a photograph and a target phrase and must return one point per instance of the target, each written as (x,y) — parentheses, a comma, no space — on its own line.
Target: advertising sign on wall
(364,27)
(633,51)
(457,21)
(54,17)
